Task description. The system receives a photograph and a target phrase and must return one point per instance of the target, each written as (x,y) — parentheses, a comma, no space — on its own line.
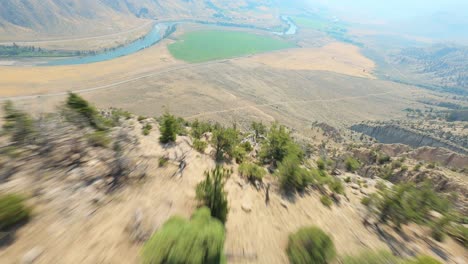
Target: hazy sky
(397,9)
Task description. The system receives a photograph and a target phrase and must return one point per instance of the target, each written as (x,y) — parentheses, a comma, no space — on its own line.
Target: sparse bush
(85,110)
(410,203)
(18,124)
(98,139)
(252,172)
(431,165)
(352,164)
(168,128)
(417,167)
(336,186)
(199,128)
(326,200)
(292,176)
(239,154)
(198,241)
(146,130)
(200,145)
(396,164)
(141,118)
(386,172)
(380,185)
(347,179)
(321,164)
(259,129)
(366,200)
(279,145)
(224,141)
(12,210)
(247,146)
(404,168)
(211,192)
(118,113)
(163,161)
(310,245)
(383,159)
(460,233)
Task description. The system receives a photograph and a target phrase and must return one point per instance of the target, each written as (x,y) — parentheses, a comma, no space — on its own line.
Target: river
(157,33)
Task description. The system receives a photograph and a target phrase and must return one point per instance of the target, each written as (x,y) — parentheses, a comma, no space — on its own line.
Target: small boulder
(32,255)
(247,207)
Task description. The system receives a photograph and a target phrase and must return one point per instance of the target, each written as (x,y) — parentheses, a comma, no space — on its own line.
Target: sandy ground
(17,81)
(334,57)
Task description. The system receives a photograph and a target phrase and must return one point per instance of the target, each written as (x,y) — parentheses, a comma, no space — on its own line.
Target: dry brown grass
(334,57)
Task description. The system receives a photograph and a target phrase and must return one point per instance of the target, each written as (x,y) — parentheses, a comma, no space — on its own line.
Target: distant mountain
(32,18)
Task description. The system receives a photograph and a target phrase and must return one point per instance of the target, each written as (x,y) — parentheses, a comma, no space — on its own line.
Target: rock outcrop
(390,134)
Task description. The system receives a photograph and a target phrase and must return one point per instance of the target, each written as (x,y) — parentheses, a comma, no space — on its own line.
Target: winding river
(157,33)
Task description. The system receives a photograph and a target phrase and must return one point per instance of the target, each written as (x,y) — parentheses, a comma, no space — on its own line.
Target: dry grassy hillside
(42,19)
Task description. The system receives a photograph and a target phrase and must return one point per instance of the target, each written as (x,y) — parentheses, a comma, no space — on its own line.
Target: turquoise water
(154,36)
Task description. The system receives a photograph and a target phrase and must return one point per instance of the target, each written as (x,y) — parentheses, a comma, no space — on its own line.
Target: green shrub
(239,154)
(336,186)
(252,172)
(98,139)
(372,257)
(396,164)
(431,165)
(347,179)
(141,118)
(17,123)
(199,145)
(163,161)
(210,192)
(292,176)
(417,167)
(352,164)
(147,129)
(247,146)
(380,185)
(321,164)
(119,113)
(279,145)
(310,245)
(383,159)
(224,141)
(86,110)
(198,241)
(12,210)
(259,129)
(460,233)
(326,200)
(199,128)
(168,128)
(410,203)
(366,201)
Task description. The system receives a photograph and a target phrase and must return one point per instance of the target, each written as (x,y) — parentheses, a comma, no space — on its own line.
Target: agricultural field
(206,45)
(334,29)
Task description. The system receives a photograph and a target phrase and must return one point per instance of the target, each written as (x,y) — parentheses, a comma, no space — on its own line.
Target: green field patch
(206,45)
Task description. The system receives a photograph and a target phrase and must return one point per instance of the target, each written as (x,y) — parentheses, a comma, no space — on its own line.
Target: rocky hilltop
(82,185)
